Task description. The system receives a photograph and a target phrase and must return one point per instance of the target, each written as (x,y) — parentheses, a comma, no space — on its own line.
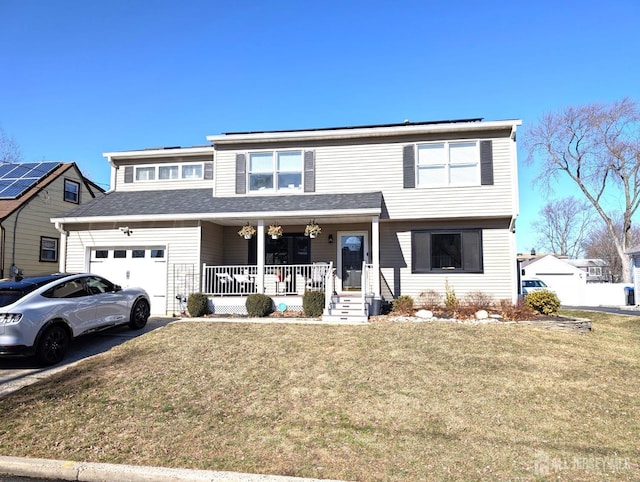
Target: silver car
(40,315)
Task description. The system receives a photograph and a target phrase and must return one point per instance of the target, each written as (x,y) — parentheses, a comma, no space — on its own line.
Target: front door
(353,250)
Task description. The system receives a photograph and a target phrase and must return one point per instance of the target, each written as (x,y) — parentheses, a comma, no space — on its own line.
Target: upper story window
(275,171)
(448,164)
(145,173)
(71,191)
(169,172)
(595,271)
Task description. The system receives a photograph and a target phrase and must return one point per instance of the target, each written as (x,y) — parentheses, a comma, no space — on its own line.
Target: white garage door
(145,267)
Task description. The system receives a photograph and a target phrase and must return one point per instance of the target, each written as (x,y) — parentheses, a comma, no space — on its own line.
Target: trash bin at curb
(630,297)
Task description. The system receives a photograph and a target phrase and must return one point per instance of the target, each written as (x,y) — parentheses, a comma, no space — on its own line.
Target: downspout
(15,230)
(3,241)
(62,261)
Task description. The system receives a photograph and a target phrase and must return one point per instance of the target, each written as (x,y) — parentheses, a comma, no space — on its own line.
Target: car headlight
(10,318)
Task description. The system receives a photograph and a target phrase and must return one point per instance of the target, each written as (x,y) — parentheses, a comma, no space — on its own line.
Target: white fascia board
(147,153)
(333,134)
(200,216)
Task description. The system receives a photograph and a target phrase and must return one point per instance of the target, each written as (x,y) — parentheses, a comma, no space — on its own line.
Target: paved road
(618,310)
(19,372)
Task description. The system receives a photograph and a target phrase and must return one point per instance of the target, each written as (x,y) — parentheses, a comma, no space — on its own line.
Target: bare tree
(598,147)
(563,226)
(599,245)
(9,149)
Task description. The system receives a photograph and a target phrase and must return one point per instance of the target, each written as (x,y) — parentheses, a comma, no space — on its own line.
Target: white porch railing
(291,279)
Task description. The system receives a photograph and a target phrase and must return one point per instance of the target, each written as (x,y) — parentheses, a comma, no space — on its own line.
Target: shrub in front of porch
(198,305)
(259,305)
(313,303)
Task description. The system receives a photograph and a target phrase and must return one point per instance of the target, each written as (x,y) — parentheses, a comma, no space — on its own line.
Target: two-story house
(403,208)
(30,194)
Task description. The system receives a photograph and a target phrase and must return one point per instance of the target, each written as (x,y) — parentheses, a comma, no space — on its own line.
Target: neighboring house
(30,194)
(596,270)
(567,281)
(403,208)
(634,253)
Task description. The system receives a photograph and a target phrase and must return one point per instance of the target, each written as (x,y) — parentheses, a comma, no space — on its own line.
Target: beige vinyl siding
(32,221)
(181,241)
(497,280)
(212,243)
(378,167)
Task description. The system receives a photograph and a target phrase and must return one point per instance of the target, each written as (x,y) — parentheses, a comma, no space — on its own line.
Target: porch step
(346,309)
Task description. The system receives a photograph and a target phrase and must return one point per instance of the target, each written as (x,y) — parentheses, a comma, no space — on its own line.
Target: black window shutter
(421,251)
(486,163)
(208,171)
(128,174)
(241,174)
(472,251)
(409,166)
(309,171)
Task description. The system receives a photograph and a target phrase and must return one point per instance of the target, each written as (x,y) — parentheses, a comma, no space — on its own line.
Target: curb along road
(94,472)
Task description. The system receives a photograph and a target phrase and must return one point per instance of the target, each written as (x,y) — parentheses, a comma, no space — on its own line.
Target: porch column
(260,273)
(375,255)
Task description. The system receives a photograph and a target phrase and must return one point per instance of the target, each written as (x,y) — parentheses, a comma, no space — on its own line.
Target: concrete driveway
(16,373)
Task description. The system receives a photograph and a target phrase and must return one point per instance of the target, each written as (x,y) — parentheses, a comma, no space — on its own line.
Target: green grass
(387,401)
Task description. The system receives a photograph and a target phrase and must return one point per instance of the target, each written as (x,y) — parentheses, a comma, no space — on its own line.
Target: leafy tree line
(597,148)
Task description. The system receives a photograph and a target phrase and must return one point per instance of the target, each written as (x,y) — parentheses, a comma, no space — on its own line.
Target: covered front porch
(339,261)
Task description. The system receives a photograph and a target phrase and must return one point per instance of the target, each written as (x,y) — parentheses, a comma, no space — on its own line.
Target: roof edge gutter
(261,137)
(204,216)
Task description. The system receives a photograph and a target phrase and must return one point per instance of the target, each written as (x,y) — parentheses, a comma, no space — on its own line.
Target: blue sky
(79,78)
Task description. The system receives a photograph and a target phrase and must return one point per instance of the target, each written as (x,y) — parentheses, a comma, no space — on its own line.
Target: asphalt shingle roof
(201,201)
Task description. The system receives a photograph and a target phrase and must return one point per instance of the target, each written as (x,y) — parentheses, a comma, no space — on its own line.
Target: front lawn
(386,401)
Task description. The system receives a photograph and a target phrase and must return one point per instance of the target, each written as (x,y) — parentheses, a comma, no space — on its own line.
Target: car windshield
(535,283)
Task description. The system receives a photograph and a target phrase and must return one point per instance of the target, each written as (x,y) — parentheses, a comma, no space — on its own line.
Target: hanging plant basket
(247,231)
(312,229)
(275,231)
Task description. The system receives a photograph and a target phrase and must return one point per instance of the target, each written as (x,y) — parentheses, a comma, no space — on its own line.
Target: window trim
(56,241)
(275,172)
(76,197)
(427,251)
(156,172)
(447,164)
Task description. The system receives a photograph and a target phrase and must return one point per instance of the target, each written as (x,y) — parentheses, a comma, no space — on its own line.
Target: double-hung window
(48,249)
(444,251)
(275,171)
(595,271)
(71,191)
(448,164)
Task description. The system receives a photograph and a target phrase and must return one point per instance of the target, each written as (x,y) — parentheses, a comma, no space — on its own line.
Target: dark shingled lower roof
(201,201)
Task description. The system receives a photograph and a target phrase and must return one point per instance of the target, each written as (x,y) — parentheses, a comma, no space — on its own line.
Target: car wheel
(139,315)
(53,345)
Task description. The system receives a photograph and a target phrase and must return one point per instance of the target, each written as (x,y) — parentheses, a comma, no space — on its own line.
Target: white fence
(604,294)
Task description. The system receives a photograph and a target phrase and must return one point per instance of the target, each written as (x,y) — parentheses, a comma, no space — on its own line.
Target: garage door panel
(143,267)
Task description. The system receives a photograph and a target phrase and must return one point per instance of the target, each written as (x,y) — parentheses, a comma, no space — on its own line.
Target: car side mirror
(117,288)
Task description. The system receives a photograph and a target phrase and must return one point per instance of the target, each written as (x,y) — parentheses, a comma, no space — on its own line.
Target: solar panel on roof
(16,178)
(6,168)
(16,188)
